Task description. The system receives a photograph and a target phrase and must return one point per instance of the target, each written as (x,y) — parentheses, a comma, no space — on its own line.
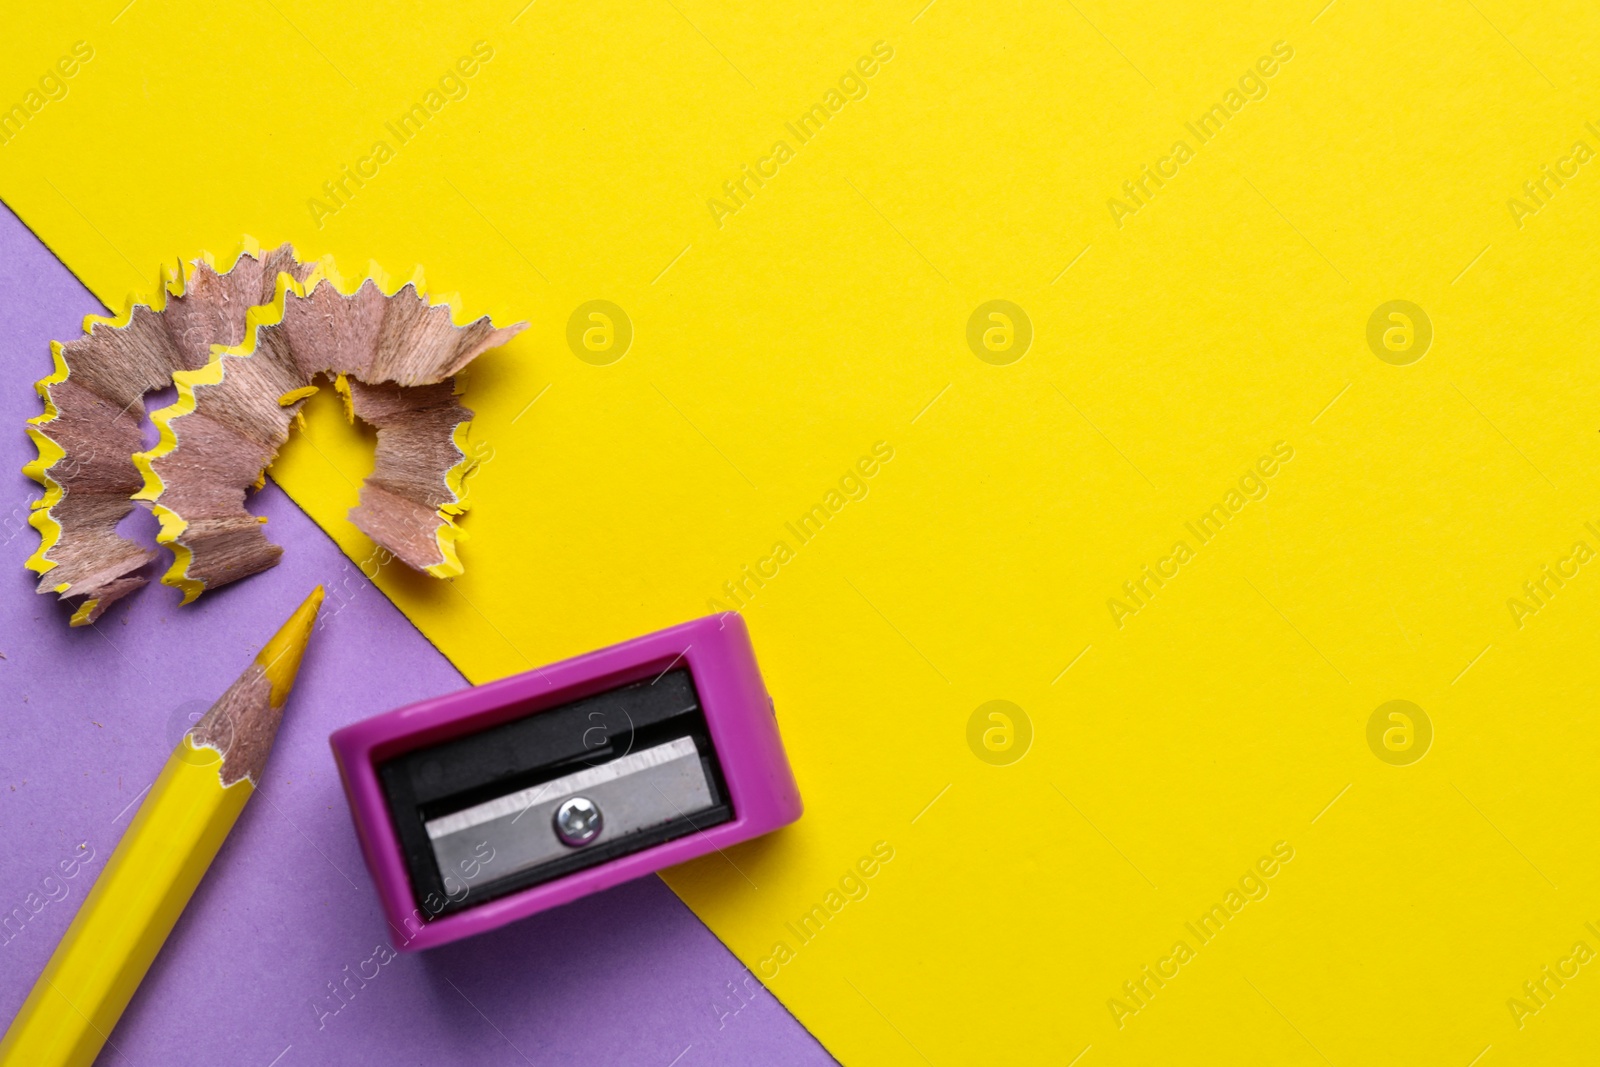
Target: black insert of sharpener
(466,772)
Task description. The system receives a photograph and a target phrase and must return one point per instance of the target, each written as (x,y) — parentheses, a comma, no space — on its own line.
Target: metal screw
(577,821)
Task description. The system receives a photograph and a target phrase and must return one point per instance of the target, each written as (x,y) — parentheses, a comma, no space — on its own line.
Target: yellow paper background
(771,352)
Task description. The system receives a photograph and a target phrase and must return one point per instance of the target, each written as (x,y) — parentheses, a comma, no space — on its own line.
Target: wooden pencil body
(128,914)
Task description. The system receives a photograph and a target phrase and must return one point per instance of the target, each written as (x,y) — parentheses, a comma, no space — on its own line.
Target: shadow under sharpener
(500,801)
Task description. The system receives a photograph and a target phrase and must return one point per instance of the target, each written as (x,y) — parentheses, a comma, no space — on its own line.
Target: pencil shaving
(94,412)
(420,467)
(393,355)
(246,347)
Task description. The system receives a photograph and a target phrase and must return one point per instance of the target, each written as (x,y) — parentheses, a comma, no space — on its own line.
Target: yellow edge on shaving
(85,610)
(448,533)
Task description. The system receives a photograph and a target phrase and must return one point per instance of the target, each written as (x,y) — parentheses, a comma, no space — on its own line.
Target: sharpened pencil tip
(280,657)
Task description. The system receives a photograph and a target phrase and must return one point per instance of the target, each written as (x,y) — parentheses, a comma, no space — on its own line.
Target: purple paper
(277,961)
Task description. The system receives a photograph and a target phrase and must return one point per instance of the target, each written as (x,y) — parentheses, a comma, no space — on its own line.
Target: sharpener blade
(634,792)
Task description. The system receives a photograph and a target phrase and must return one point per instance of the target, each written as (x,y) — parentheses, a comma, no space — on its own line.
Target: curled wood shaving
(393,355)
(245,346)
(93,415)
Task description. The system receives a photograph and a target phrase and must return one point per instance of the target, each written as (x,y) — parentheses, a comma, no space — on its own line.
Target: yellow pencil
(158,863)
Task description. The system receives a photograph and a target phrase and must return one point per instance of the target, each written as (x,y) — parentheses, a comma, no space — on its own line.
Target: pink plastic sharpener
(503,800)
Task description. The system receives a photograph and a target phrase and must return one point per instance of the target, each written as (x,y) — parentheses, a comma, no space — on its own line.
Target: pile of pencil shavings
(246,346)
